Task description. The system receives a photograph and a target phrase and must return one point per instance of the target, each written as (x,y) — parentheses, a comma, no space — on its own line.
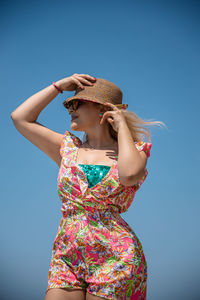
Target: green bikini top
(94,173)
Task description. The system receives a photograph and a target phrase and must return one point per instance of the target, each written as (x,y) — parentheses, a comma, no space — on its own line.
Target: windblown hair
(136,126)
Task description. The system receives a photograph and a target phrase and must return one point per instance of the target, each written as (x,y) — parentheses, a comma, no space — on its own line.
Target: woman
(95,254)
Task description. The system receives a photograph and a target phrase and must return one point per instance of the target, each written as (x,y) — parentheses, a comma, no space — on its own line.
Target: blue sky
(150,49)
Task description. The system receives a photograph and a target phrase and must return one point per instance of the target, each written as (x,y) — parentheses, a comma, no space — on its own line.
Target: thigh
(65,294)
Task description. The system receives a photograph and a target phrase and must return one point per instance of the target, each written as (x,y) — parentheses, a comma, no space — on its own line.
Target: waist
(73,208)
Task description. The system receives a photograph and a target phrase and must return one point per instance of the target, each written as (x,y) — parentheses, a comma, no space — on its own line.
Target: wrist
(122,125)
(58,84)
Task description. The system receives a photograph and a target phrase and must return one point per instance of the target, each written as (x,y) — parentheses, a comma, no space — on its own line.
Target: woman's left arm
(131,162)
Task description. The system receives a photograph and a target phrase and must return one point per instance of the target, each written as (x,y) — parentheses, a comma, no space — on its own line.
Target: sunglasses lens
(75,103)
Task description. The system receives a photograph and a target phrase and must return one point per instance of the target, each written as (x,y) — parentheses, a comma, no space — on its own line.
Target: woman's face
(85,116)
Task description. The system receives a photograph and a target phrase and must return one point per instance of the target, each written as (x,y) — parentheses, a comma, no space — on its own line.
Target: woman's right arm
(25,116)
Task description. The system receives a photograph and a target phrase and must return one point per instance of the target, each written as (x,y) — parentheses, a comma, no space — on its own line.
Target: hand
(114,117)
(71,83)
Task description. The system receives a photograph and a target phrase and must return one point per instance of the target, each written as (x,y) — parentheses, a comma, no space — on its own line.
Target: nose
(70,109)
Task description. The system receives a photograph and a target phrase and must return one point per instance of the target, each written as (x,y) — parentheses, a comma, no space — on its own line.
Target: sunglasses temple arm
(124,106)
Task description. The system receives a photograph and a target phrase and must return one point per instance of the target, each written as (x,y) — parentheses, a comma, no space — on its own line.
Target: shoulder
(144,146)
(68,142)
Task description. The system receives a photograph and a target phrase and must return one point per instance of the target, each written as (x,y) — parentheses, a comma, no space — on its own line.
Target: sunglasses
(75,103)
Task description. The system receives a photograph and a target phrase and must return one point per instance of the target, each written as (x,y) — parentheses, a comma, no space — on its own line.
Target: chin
(74,126)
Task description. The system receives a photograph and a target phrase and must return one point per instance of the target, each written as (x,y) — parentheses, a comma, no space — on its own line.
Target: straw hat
(101,91)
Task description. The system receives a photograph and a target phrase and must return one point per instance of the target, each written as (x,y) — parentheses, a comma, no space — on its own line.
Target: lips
(73,118)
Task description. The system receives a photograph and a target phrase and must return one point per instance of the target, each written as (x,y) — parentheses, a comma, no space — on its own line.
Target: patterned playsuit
(95,249)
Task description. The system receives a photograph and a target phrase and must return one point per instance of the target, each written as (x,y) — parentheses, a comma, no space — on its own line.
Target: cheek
(88,114)
(91,118)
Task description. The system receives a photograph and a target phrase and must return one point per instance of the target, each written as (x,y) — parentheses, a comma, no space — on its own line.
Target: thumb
(110,120)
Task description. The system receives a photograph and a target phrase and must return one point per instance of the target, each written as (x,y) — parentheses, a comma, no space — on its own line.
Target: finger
(76,81)
(106,115)
(84,81)
(111,105)
(110,120)
(86,76)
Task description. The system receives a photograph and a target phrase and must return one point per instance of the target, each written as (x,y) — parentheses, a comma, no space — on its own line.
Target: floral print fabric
(95,249)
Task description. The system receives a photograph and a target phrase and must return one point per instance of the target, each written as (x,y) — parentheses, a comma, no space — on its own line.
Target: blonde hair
(135,125)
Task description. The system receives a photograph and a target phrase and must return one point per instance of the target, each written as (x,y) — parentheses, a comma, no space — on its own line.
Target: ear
(102,108)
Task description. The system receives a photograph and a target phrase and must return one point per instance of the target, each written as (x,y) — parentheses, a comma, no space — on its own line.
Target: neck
(100,146)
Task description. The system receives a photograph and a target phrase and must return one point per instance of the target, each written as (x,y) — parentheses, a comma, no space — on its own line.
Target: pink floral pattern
(95,248)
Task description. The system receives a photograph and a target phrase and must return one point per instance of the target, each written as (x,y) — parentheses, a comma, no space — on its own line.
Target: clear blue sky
(151,50)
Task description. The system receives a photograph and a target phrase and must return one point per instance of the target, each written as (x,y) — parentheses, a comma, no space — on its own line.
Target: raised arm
(25,116)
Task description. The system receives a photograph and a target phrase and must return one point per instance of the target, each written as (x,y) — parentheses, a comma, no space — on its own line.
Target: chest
(95,163)
(96,157)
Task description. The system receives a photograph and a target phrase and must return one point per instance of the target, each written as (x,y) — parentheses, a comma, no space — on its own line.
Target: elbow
(128,181)
(16,118)
(13,116)
(133,179)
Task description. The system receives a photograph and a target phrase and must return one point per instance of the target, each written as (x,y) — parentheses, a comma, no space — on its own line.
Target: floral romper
(95,249)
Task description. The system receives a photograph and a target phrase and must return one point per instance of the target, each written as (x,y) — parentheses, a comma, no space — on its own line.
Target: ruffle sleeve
(68,143)
(146,147)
